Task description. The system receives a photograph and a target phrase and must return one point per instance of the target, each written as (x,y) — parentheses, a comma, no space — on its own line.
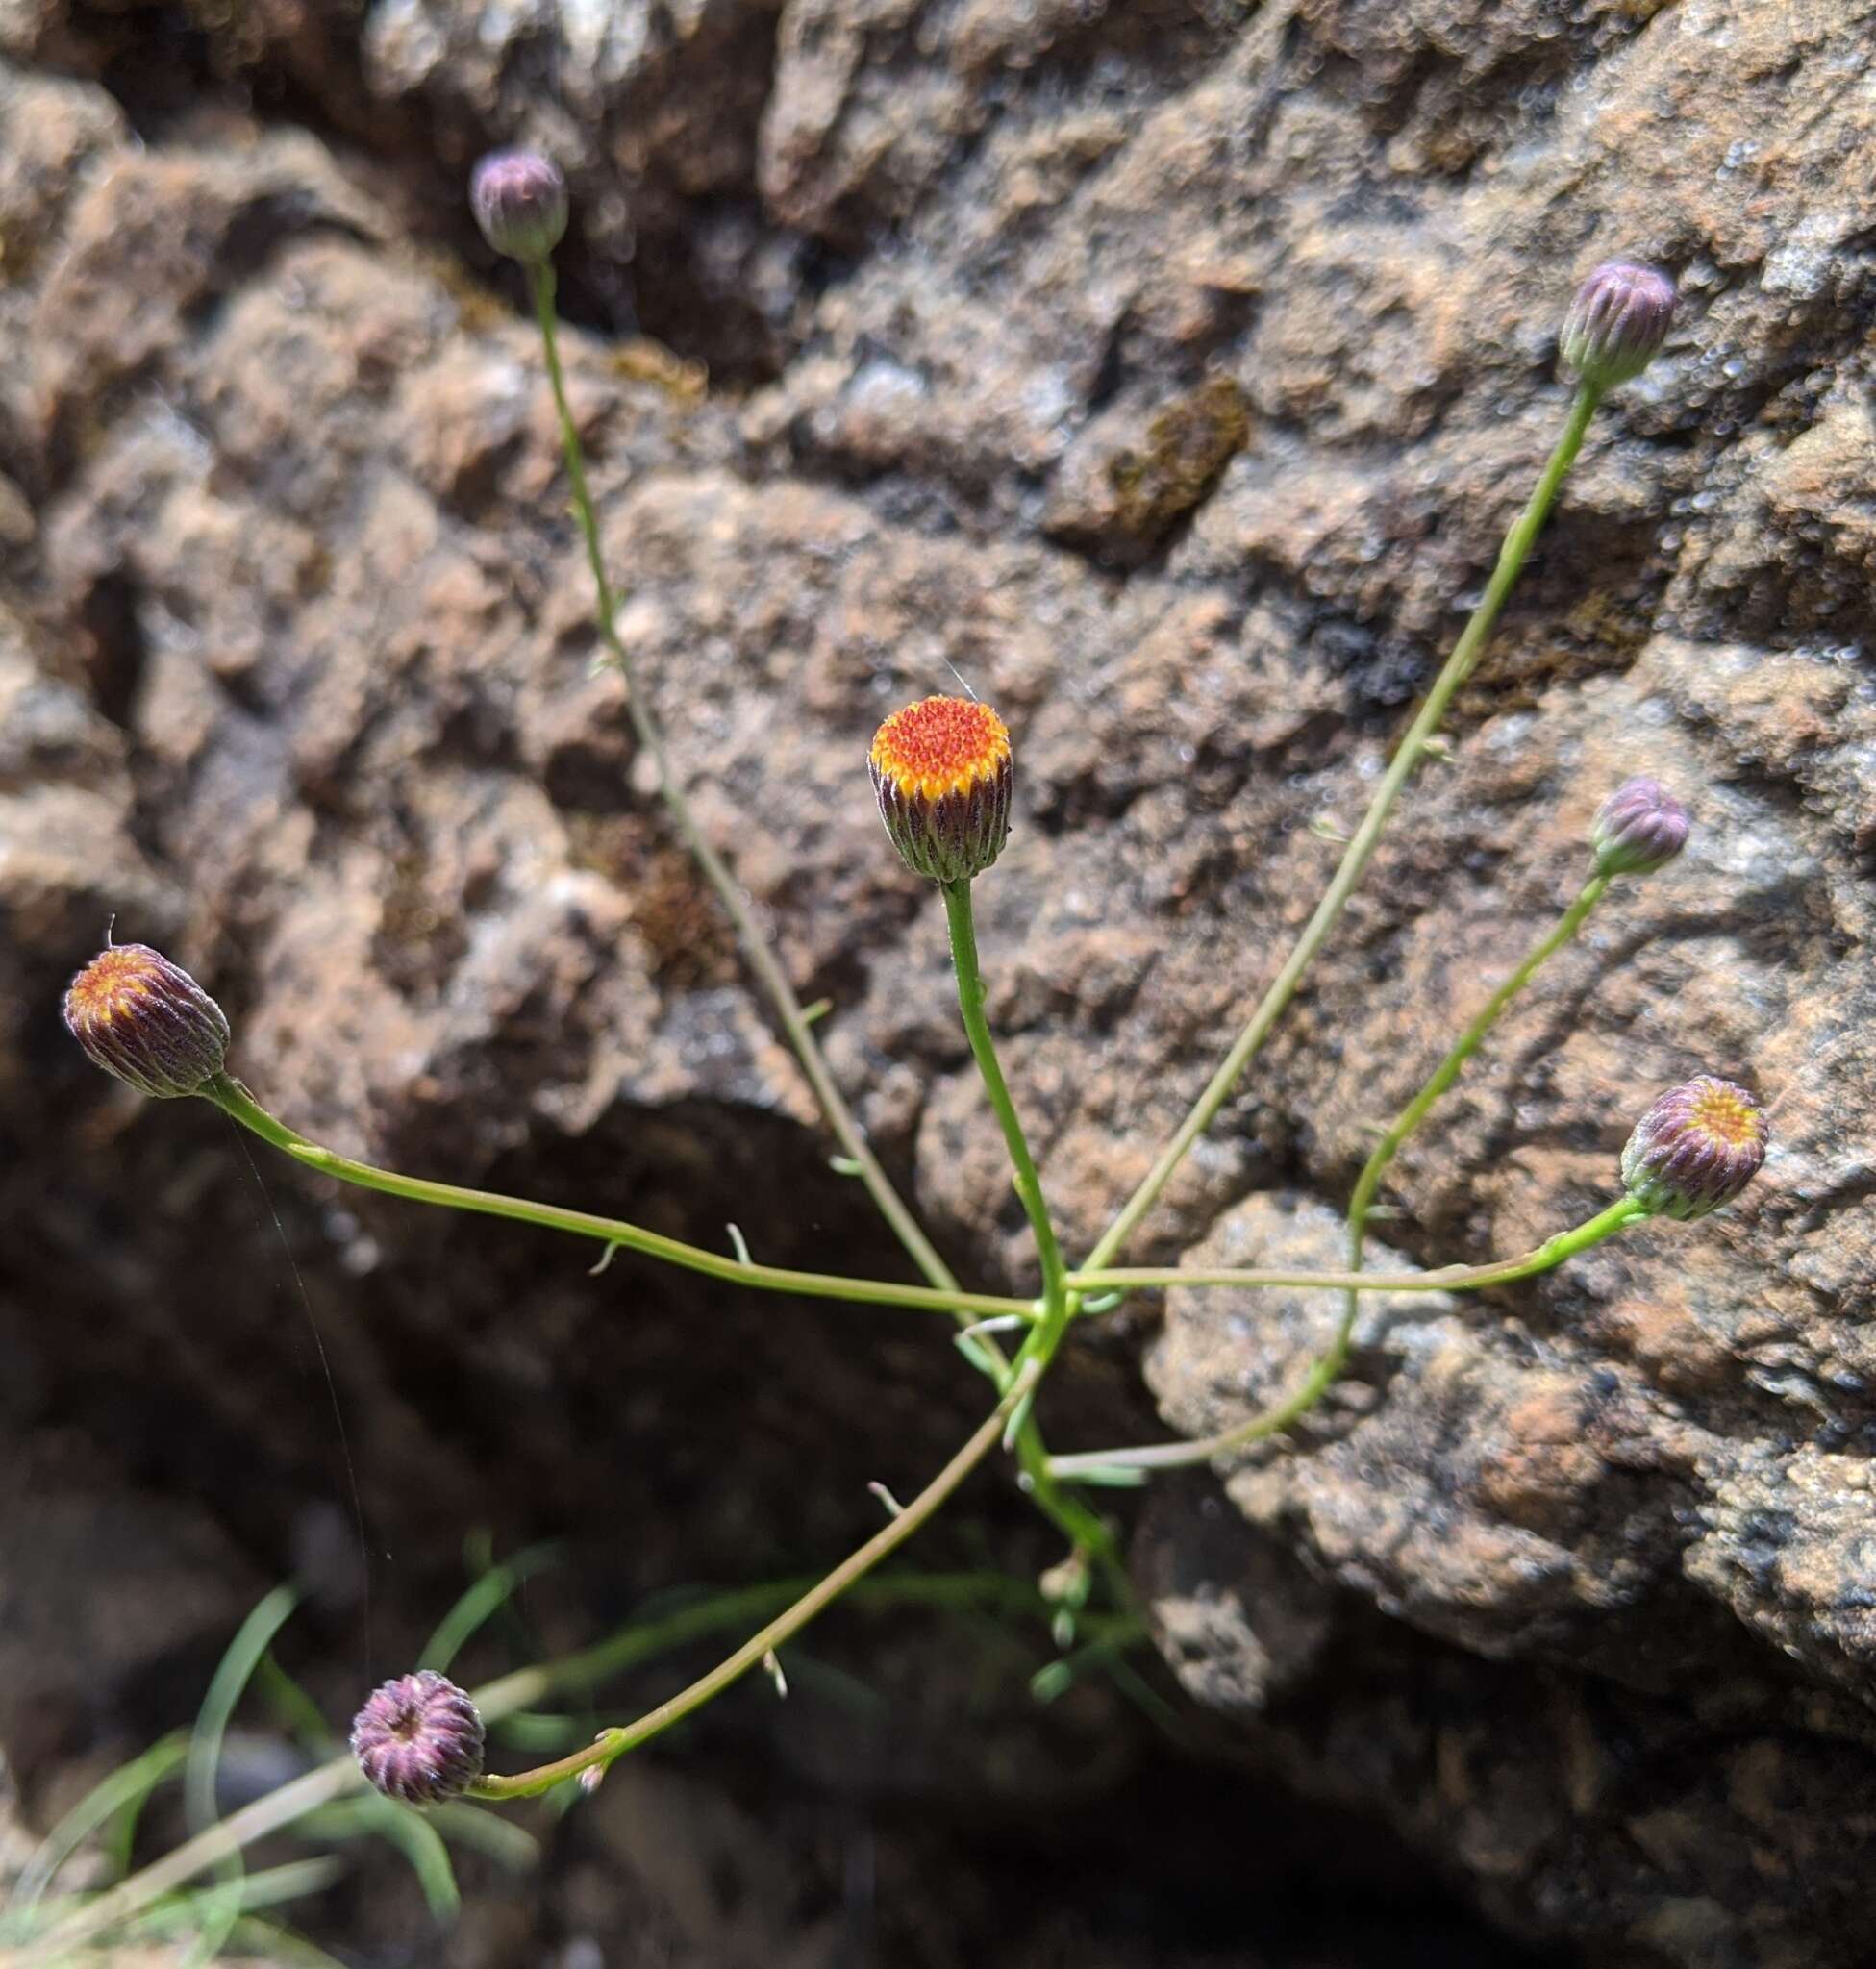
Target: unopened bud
(1695,1149)
(1617,322)
(419,1740)
(147,1021)
(1639,828)
(943,774)
(519,200)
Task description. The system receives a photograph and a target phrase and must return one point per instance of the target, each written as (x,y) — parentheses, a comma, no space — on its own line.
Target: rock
(1168,375)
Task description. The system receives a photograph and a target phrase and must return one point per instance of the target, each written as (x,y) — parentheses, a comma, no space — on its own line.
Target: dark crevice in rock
(116,651)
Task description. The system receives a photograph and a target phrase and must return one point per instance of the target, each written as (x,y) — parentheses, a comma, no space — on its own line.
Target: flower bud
(1695,1149)
(519,200)
(1617,322)
(1639,828)
(147,1021)
(418,1738)
(943,774)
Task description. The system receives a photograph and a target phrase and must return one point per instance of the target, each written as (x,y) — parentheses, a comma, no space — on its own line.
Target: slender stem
(1355,859)
(1327,1369)
(614,1743)
(1084,1527)
(1463,1049)
(1029,1184)
(234,1101)
(1070,1517)
(756,948)
(523,1690)
(1442,1076)
(1174,1455)
(1448,1279)
(1329,1364)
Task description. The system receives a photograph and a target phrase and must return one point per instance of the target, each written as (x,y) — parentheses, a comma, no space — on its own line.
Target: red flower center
(942,745)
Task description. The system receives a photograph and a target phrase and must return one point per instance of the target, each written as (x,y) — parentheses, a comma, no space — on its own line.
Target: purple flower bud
(147,1021)
(519,200)
(418,1738)
(1695,1149)
(1617,322)
(1639,828)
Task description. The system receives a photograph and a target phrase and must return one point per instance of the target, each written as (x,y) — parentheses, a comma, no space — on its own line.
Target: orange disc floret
(943,774)
(1728,1114)
(147,1021)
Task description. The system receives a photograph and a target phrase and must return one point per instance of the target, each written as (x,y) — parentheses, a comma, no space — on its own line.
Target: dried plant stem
(757,951)
(1355,859)
(1329,1364)
(234,1101)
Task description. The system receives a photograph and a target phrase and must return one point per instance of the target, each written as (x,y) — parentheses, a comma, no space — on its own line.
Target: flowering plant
(944,774)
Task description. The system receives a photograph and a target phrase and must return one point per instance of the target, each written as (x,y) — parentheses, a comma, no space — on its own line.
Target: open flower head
(147,1021)
(419,1740)
(943,774)
(1617,322)
(1639,828)
(1695,1149)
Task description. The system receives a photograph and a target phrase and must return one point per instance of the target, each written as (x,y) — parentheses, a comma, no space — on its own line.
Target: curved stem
(236,1102)
(1355,859)
(1327,1367)
(756,948)
(1172,1456)
(1442,1076)
(1336,1357)
(614,1743)
(1076,1523)
(523,1690)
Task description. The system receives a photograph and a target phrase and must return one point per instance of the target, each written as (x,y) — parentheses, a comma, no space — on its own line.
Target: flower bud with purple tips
(419,1740)
(1617,322)
(146,1021)
(1695,1149)
(1639,828)
(519,200)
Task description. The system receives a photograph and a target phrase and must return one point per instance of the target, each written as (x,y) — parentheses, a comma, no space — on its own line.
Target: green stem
(756,948)
(1329,1364)
(1442,1076)
(1355,859)
(1463,1049)
(1029,1184)
(523,1690)
(1448,1279)
(1174,1455)
(1076,1523)
(1082,1528)
(1326,1370)
(614,1743)
(234,1101)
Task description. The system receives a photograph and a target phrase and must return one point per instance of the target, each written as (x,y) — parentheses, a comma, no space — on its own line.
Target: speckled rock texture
(1168,373)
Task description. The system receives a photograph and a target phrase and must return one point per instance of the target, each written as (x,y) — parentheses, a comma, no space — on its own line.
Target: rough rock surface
(1170,373)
